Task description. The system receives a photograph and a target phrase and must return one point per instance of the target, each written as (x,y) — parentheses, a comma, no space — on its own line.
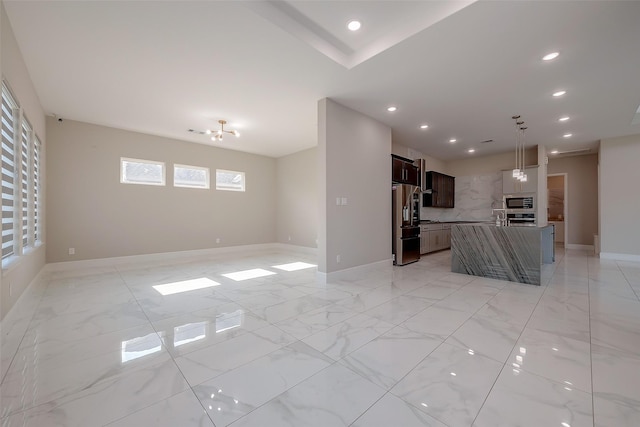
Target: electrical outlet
(218,240)
(338,259)
(72,251)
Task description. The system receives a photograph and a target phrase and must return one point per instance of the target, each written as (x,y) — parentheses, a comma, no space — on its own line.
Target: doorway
(557,206)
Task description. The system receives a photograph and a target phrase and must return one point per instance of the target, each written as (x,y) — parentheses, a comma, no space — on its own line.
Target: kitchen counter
(505,253)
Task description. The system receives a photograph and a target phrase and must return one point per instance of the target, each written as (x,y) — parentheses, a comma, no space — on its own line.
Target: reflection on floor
(254,340)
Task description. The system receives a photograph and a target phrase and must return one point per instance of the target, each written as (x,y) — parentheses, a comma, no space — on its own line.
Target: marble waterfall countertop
(505,253)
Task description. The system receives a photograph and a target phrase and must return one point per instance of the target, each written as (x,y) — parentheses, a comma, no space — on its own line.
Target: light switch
(344,200)
(337,201)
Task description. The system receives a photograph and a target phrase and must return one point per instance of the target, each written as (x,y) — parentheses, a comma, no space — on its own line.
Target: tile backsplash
(475,196)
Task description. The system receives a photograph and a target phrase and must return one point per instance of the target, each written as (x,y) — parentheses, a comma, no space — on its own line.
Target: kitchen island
(505,253)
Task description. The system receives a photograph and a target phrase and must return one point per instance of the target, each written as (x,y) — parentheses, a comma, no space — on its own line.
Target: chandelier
(217,134)
(518,171)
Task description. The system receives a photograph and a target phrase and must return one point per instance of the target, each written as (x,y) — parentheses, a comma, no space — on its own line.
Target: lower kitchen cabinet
(434,237)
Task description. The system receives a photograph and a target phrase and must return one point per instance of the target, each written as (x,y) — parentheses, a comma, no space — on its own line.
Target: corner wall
(91,211)
(619,200)
(297,188)
(354,161)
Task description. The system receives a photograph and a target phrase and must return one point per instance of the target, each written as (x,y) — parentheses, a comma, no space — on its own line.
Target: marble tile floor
(256,340)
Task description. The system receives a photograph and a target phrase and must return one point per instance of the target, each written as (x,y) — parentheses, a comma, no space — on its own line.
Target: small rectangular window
(190,176)
(229,180)
(147,172)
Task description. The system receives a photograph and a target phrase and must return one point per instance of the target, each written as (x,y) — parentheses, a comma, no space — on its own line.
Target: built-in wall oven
(521,219)
(520,210)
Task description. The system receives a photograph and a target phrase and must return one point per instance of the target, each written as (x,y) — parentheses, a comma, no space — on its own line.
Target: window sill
(11,263)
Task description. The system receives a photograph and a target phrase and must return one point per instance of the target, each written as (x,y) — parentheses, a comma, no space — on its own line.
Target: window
(190,176)
(37,147)
(229,180)
(147,172)
(21,189)
(9,113)
(25,154)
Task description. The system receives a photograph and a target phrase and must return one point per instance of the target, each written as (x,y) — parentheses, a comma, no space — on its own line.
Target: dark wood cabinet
(403,171)
(440,190)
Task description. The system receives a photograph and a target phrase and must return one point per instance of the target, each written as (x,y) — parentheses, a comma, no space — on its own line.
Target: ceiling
(464,68)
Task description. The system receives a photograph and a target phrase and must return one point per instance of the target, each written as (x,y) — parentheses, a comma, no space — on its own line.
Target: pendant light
(518,172)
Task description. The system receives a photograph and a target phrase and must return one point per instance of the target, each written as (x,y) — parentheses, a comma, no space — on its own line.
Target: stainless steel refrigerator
(405,203)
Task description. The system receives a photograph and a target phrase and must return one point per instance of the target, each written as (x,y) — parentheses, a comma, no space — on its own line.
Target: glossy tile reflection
(256,340)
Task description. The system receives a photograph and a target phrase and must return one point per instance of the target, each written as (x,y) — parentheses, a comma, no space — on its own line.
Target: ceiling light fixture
(559,93)
(217,134)
(471,150)
(550,56)
(453,140)
(567,135)
(518,171)
(392,109)
(354,25)
(424,126)
(554,152)
(563,119)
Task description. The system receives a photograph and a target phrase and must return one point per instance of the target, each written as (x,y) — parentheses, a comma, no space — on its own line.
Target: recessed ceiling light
(392,109)
(354,25)
(559,93)
(554,152)
(563,119)
(550,56)
(567,135)
(452,140)
(424,126)
(471,150)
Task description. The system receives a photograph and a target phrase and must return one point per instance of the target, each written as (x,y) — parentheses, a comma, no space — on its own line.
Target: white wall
(619,200)
(14,281)
(91,211)
(542,211)
(297,188)
(354,161)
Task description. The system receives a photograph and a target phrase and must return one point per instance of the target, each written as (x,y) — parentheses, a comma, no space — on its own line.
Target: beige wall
(489,164)
(297,187)
(582,197)
(354,158)
(15,280)
(619,200)
(91,211)
(555,182)
(433,164)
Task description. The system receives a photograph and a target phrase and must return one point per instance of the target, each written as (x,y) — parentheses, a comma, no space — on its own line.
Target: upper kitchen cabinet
(510,185)
(403,171)
(440,190)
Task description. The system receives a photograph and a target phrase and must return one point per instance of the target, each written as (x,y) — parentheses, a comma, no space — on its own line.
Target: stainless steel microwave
(519,202)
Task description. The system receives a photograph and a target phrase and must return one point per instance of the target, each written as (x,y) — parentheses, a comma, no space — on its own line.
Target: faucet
(501,216)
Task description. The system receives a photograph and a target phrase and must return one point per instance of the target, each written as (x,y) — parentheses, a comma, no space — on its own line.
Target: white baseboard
(581,247)
(173,256)
(296,248)
(354,271)
(619,257)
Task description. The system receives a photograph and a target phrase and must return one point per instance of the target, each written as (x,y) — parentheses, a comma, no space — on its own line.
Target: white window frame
(199,168)
(244,181)
(149,162)
(15,185)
